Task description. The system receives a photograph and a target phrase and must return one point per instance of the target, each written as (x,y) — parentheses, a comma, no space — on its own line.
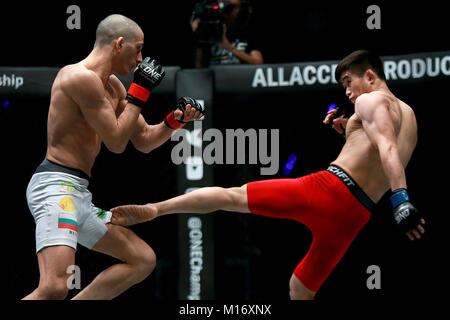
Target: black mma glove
(340,111)
(147,76)
(406,216)
(173,123)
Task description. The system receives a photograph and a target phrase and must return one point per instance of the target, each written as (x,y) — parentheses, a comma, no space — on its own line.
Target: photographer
(223,34)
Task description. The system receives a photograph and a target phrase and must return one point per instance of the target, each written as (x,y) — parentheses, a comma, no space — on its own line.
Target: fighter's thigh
(53,263)
(123,244)
(56,218)
(278,198)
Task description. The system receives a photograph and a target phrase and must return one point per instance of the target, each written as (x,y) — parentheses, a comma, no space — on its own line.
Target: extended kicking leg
(203,200)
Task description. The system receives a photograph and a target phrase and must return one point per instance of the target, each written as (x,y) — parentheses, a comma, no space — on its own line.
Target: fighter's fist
(187,109)
(406,216)
(336,119)
(147,76)
(339,125)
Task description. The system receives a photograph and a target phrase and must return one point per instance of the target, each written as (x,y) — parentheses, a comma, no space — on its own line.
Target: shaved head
(114,26)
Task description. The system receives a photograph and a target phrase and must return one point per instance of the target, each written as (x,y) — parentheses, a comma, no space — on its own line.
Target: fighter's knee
(144,264)
(298,291)
(237,198)
(300,295)
(54,290)
(148,260)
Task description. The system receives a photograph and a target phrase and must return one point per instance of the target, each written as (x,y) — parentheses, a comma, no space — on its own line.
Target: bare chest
(354,125)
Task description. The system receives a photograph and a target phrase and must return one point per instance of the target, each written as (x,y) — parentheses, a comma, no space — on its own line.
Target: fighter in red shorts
(335,203)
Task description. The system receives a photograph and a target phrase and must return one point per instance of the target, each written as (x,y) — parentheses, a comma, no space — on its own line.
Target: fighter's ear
(370,75)
(118,43)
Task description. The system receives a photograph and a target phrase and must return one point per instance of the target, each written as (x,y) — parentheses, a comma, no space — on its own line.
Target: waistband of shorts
(50,166)
(352,186)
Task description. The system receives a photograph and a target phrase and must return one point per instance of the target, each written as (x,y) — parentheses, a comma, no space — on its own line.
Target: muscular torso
(360,157)
(71,141)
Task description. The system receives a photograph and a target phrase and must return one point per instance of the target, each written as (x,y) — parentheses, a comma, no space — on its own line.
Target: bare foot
(133,214)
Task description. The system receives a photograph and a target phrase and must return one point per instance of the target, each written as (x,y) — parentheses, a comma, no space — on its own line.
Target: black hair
(359,62)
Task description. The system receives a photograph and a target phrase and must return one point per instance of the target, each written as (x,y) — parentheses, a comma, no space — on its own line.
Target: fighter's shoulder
(369,104)
(404,106)
(76,77)
(372,98)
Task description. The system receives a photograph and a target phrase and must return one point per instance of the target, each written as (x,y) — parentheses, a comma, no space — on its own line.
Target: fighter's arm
(87,90)
(339,124)
(378,125)
(146,137)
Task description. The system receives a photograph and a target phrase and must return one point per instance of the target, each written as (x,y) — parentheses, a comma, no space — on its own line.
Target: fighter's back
(71,141)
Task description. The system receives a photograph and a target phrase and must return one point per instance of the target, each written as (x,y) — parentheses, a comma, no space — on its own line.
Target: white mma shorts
(62,208)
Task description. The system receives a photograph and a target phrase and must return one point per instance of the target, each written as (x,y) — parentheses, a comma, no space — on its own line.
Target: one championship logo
(402,215)
(152,73)
(11,81)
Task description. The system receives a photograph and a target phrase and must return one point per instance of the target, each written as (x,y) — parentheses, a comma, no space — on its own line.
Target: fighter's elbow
(117,150)
(388,150)
(142,146)
(146,149)
(389,144)
(116,146)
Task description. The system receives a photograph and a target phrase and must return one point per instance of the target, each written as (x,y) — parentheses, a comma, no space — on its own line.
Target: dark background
(34,33)
(255,256)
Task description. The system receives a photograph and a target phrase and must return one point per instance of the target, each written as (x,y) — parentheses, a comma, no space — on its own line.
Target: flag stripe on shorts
(67,224)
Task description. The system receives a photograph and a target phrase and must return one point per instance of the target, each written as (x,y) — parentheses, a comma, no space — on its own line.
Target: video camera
(210,13)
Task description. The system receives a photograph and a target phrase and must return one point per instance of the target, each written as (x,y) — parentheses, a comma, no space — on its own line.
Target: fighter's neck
(99,61)
(381,86)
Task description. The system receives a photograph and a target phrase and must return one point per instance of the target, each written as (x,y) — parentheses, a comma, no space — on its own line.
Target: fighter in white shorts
(62,208)
(89,106)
